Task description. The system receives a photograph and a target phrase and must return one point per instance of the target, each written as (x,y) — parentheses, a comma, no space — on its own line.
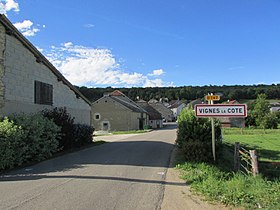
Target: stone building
(176,107)
(116,112)
(30,83)
(165,112)
(155,118)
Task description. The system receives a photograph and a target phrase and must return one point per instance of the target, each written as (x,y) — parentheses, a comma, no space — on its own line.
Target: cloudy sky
(147,43)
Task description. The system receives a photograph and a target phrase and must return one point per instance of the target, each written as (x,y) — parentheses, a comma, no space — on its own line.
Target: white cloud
(8,5)
(157,72)
(40,49)
(154,83)
(26,24)
(89,25)
(26,28)
(92,67)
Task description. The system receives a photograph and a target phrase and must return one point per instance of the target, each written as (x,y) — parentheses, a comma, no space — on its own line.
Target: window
(105,126)
(97,116)
(43,93)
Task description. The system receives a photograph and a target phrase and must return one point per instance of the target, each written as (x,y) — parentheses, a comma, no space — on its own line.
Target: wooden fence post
(236,156)
(254,161)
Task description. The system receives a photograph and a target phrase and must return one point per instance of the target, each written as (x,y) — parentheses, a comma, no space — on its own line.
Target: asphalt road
(128,173)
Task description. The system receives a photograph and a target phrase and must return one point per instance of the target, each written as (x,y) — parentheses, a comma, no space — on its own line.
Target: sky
(154,43)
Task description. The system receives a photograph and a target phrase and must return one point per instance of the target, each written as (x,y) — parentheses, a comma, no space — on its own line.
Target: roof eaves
(12,30)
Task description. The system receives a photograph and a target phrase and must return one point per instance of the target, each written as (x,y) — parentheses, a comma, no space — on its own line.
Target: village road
(128,173)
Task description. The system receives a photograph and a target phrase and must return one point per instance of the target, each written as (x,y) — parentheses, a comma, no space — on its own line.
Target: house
(155,118)
(166,113)
(30,83)
(228,122)
(275,106)
(194,102)
(176,107)
(116,112)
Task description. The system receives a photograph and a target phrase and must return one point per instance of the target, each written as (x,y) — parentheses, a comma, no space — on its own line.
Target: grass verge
(130,132)
(229,188)
(219,183)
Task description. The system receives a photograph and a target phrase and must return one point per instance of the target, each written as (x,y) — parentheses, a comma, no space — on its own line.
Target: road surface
(128,173)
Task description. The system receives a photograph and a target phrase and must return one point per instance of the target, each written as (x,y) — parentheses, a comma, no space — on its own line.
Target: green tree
(261,110)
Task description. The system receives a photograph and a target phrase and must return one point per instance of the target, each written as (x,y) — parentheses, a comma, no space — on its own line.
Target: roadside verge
(180,196)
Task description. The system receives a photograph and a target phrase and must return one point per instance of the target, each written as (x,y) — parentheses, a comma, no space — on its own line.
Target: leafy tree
(261,110)
(250,119)
(236,92)
(270,121)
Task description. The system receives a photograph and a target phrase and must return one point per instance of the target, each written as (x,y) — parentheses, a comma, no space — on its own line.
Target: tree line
(188,93)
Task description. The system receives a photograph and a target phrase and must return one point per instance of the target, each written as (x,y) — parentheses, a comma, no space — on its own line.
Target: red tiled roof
(233,102)
(116,93)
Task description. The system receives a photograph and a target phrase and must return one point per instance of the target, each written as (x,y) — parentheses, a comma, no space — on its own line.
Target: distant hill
(188,93)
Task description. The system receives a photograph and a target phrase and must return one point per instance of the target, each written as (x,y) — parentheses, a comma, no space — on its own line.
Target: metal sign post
(210,101)
(212,110)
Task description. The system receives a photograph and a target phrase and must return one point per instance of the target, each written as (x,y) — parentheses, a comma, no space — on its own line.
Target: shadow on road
(106,178)
(128,153)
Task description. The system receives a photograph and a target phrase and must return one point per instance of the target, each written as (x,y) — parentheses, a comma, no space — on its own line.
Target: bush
(82,134)
(62,118)
(11,145)
(194,136)
(147,127)
(40,139)
(250,120)
(270,121)
(27,138)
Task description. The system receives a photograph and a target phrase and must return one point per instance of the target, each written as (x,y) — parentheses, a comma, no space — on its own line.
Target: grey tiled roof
(131,105)
(153,113)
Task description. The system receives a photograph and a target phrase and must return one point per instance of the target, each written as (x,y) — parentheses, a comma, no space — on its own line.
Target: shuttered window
(43,93)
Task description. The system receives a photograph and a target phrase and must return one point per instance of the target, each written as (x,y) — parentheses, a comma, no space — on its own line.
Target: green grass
(129,132)
(267,143)
(220,184)
(230,188)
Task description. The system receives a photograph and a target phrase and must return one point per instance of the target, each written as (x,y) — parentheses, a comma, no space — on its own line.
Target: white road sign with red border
(221,110)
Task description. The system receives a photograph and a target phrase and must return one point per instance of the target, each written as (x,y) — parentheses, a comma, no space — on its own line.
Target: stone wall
(2,67)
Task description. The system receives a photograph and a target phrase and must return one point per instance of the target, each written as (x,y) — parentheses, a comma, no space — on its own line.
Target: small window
(97,116)
(43,93)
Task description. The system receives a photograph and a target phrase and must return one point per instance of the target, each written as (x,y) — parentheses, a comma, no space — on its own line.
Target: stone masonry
(2,67)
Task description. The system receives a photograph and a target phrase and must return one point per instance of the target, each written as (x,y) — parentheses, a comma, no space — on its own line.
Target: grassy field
(267,143)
